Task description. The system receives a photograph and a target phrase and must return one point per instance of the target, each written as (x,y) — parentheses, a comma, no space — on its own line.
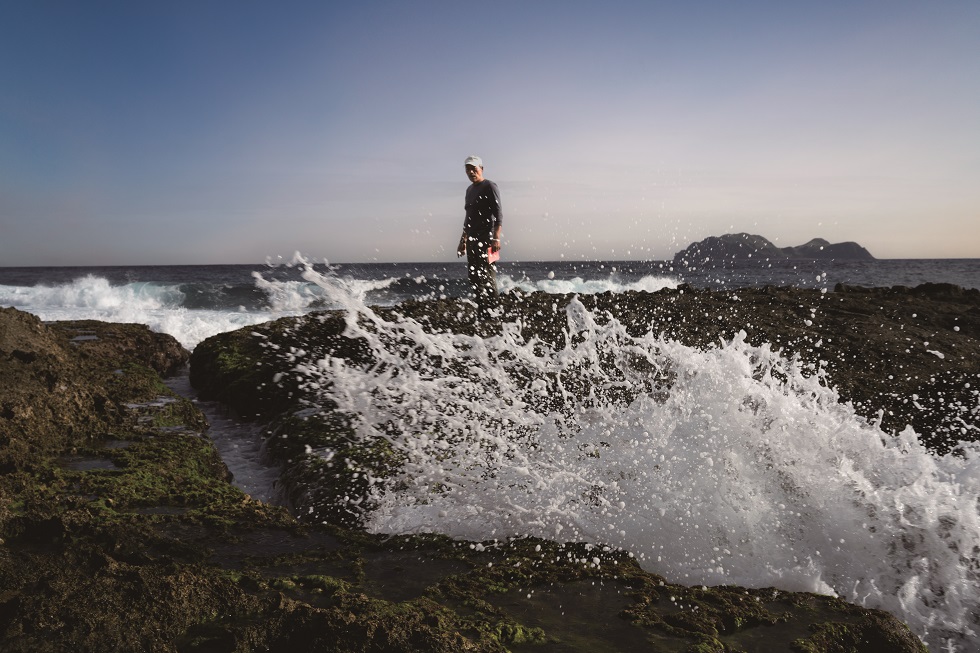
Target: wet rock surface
(121,530)
(60,383)
(902,356)
(906,356)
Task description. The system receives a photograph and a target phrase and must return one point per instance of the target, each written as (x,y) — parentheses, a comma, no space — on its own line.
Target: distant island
(719,250)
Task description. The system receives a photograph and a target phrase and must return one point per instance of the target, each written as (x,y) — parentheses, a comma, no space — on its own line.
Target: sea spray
(725,465)
(297,296)
(161,306)
(190,312)
(611,283)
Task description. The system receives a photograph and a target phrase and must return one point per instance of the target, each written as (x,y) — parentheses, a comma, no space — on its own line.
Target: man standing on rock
(481,237)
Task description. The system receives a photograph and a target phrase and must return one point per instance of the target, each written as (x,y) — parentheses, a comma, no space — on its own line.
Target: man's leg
(483,278)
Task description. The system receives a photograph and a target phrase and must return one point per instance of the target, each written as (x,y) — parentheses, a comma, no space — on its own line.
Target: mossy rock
(156,550)
(251,369)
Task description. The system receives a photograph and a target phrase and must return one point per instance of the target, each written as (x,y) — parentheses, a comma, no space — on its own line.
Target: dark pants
(483,277)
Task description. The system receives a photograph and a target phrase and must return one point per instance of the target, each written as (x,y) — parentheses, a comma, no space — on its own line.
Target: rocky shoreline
(121,529)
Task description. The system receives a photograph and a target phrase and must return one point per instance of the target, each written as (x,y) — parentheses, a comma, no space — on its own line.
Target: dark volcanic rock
(904,356)
(718,251)
(152,549)
(879,346)
(38,409)
(240,368)
(54,382)
(134,342)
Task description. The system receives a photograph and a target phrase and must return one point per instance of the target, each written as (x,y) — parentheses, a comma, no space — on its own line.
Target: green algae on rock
(666,617)
(156,550)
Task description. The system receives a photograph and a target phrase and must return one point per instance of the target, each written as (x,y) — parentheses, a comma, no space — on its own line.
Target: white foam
(292,296)
(301,296)
(93,293)
(724,466)
(161,305)
(578,285)
(158,306)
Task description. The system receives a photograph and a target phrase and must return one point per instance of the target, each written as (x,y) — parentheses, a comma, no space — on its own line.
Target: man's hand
(495,245)
(462,247)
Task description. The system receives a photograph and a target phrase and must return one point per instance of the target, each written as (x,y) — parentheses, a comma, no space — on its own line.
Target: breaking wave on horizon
(195,310)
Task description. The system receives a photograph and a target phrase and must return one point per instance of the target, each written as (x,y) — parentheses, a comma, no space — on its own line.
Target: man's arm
(498,212)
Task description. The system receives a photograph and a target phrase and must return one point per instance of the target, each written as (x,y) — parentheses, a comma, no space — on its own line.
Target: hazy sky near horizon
(233,132)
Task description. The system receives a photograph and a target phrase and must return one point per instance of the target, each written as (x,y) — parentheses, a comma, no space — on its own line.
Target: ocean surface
(742,470)
(197,301)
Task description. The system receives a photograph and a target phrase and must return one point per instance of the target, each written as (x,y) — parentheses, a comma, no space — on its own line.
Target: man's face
(474,173)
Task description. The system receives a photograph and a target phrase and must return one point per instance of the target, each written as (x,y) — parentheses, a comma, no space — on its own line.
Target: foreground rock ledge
(120,530)
(861,337)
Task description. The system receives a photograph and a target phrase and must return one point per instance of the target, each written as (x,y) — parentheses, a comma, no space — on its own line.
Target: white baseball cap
(474,161)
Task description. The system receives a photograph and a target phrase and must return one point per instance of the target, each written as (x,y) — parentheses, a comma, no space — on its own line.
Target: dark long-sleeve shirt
(483,213)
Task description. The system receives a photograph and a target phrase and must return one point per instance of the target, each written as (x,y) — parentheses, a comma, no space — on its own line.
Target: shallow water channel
(240,443)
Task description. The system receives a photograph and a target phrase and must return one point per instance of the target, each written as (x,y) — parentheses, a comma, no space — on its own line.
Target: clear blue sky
(228,132)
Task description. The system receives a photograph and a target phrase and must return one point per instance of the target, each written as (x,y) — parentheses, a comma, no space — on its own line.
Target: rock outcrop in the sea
(820,249)
(718,251)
